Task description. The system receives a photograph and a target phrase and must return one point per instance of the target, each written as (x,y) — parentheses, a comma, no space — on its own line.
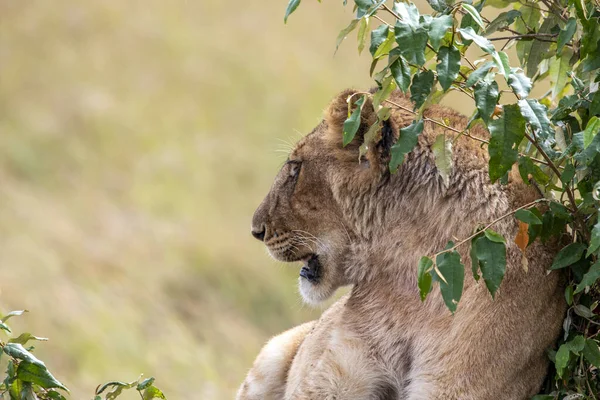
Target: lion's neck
(415,214)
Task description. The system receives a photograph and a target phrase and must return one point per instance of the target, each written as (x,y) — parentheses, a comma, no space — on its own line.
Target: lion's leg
(343,371)
(268,376)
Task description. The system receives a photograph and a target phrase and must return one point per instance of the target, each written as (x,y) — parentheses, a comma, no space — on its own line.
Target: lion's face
(299,220)
(321,205)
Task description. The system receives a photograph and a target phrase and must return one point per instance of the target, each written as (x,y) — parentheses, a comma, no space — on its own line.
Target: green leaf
(576,345)
(442,151)
(385,46)
(370,137)
(53,394)
(566,34)
(507,132)
(408,13)
(116,385)
(401,73)
(492,262)
(453,271)
(530,20)
(145,383)
(411,41)
(5,327)
(38,374)
(499,3)
(539,49)
(562,359)
(591,352)
(569,295)
(424,277)
(583,311)
(448,66)
(291,7)
(589,278)
(528,217)
(527,167)
(503,20)
(520,84)
(479,74)
(559,70)
(387,87)
(560,210)
(591,130)
(438,28)
(567,174)
(595,241)
(406,142)
(378,36)
(153,393)
(536,114)
(421,87)
(595,106)
(494,236)
(486,99)
(27,392)
(362,7)
(362,33)
(15,389)
(568,255)
(352,124)
(483,43)
(441,5)
(344,33)
(23,338)
(503,64)
(16,350)
(474,14)
(13,314)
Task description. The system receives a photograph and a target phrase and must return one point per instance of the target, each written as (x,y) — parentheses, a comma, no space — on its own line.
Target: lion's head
(328,202)
(301,218)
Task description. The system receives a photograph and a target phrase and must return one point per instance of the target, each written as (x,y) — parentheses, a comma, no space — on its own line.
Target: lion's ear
(337,113)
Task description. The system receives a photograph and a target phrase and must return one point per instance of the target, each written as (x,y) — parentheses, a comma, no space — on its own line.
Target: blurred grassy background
(136,140)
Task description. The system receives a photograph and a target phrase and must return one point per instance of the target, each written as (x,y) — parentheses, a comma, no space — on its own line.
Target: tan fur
(368,229)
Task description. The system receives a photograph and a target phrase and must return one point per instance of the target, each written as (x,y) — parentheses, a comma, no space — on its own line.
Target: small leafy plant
(553,138)
(28,378)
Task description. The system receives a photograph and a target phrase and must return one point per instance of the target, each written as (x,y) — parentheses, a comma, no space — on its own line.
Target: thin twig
(488,226)
(537,36)
(553,168)
(380,19)
(386,8)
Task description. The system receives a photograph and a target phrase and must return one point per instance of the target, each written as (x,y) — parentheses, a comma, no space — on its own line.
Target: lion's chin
(314,294)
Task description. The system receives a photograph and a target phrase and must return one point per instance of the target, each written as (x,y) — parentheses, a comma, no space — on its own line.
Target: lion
(349,221)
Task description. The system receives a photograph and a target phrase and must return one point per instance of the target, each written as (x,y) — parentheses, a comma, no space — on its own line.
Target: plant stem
(487,227)
(537,36)
(553,167)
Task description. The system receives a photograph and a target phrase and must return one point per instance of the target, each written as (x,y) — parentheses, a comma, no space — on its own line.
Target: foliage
(28,378)
(553,139)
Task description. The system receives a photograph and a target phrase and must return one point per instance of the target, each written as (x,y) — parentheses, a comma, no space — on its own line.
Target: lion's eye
(294,168)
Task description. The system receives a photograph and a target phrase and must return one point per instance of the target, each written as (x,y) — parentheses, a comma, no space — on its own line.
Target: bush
(28,378)
(553,139)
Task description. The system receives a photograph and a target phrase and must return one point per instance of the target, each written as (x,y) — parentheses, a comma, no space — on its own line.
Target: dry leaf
(522,238)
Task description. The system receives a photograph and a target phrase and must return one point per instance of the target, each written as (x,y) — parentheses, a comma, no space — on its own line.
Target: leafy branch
(488,226)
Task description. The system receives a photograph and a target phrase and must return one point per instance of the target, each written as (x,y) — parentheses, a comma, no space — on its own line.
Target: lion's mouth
(311,269)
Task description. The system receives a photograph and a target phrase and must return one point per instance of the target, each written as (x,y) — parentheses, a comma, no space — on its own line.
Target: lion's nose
(259,233)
